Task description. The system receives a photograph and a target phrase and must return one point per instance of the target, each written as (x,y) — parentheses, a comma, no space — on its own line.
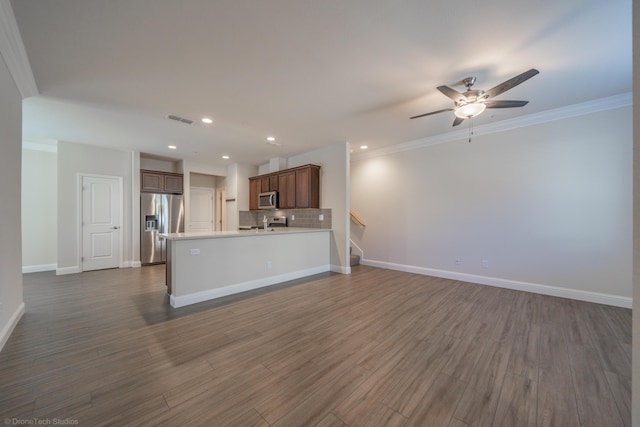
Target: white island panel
(203,268)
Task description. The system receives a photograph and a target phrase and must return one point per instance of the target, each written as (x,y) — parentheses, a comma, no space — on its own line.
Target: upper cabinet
(160,182)
(297,188)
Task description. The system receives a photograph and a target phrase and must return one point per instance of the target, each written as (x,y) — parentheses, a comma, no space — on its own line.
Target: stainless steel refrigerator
(159,213)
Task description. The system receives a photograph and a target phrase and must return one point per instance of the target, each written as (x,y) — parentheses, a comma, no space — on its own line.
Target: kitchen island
(207,265)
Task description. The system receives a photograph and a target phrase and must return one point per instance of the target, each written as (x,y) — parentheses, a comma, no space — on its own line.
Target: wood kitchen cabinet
(297,188)
(161,182)
(308,187)
(287,190)
(254,191)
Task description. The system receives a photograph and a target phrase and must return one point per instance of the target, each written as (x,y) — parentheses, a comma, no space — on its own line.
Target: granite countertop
(240,233)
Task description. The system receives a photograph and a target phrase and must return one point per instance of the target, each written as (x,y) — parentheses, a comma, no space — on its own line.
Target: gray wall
(74,159)
(39,209)
(546,204)
(10,225)
(635,404)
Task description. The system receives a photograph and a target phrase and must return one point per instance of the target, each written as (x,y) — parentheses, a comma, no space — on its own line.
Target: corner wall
(547,205)
(334,195)
(39,208)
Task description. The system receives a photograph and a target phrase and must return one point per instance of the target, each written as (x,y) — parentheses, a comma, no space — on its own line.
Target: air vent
(180,119)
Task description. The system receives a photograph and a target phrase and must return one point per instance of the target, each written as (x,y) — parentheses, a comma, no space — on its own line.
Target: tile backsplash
(308,218)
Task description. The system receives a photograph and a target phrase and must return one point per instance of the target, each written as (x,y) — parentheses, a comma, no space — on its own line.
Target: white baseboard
(130,264)
(555,291)
(181,301)
(38,268)
(5,333)
(67,270)
(340,269)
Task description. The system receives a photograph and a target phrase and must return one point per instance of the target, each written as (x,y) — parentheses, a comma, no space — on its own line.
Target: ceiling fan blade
(505,104)
(511,83)
(452,93)
(457,121)
(433,112)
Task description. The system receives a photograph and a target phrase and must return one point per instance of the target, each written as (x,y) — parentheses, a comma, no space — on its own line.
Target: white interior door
(101,222)
(201,209)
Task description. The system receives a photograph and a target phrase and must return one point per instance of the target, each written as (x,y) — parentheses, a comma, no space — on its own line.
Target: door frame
(80,177)
(221,209)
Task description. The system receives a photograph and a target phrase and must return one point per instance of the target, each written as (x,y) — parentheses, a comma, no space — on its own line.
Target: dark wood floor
(377,347)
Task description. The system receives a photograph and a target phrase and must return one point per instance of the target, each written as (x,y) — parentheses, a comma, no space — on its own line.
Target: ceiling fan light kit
(467,111)
(473,102)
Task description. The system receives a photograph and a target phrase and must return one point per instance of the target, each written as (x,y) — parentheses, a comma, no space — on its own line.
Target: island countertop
(193,235)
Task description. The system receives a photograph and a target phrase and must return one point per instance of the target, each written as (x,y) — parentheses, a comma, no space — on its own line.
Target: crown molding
(50,146)
(602,104)
(13,52)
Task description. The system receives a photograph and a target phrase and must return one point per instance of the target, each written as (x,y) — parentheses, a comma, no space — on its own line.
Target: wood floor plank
(437,406)
(377,347)
(479,400)
(517,403)
(596,406)
(556,396)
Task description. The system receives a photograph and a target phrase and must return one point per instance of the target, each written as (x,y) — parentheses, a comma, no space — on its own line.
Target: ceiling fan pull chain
(470,129)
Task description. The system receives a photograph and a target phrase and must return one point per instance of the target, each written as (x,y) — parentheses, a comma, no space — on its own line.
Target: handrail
(356,219)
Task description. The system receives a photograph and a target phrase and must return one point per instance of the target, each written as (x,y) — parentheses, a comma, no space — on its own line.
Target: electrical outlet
(458,261)
(195,251)
(485,263)
(293,217)
(321,217)
(268,265)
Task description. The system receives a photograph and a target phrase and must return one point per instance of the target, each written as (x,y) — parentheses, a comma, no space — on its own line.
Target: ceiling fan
(472,102)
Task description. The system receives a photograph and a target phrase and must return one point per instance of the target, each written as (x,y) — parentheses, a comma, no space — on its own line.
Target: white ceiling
(309,72)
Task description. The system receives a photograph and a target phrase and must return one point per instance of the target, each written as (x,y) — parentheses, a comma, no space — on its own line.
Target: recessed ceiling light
(364,147)
(173,147)
(225,157)
(270,138)
(207,120)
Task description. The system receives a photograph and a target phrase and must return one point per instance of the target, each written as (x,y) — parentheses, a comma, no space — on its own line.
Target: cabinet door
(287,190)
(273,182)
(308,187)
(264,184)
(151,182)
(254,191)
(173,184)
(303,197)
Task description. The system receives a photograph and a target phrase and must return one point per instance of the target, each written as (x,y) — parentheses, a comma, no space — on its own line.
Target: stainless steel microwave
(268,200)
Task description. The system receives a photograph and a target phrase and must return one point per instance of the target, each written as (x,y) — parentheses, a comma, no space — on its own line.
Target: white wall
(237,187)
(334,195)
(74,159)
(39,209)
(10,244)
(548,204)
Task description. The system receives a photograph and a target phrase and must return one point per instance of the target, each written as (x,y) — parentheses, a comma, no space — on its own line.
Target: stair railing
(357,220)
